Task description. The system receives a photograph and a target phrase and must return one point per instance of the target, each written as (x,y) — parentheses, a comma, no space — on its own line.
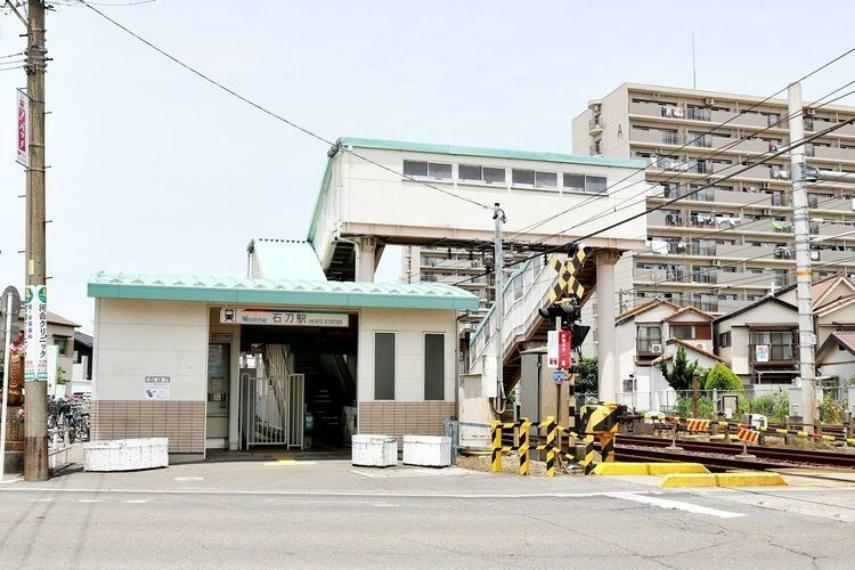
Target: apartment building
(730,244)
(463,267)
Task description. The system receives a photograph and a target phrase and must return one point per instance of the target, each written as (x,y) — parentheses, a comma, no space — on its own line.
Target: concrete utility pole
(798,171)
(499,307)
(35,403)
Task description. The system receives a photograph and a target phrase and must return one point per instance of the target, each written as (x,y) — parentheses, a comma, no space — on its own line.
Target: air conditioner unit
(709,101)
(809,112)
(678,111)
(768,212)
(699,345)
(656,348)
(814,256)
(853,204)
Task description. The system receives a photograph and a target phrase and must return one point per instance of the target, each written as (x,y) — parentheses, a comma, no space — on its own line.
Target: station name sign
(274,318)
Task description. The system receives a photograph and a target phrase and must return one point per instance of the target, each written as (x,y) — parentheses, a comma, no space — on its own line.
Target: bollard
(524,442)
(496,438)
(550,446)
(587,463)
(607,451)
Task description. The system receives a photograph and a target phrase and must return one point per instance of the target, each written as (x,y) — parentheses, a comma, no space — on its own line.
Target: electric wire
(273,114)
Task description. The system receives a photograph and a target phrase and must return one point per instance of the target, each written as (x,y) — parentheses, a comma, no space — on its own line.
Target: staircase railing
(524,292)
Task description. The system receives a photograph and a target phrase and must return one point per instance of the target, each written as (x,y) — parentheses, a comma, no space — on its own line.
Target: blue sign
(558,376)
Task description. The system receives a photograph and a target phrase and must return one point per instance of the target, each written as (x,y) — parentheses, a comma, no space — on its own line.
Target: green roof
(492,152)
(342,294)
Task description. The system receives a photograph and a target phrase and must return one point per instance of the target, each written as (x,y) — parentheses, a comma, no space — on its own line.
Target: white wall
(410,327)
(135,339)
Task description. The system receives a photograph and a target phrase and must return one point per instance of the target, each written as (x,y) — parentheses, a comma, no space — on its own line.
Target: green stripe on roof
(491,152)
(342,294)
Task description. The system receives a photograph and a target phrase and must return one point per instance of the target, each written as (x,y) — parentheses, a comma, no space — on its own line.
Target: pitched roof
(694,348)
(693,309)
(83,338)
(819,288)
(841,338)
(643,308)
(758,302)
(835,305)
(344,294)
(284,259)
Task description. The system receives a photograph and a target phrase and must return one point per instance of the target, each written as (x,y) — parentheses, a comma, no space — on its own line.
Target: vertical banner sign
(36,363)
(564,342)
(23,144)
(552,349)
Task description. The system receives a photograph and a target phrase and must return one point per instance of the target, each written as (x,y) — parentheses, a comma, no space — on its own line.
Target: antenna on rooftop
(694,68)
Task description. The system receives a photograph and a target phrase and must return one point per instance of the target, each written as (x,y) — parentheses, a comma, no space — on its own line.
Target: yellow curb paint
(289,462)
(619,468)
(747,479)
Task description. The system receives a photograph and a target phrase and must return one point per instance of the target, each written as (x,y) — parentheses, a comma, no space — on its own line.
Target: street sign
(558,376)
(552,349)
(564,352)
(35,363)
(23,143)
(267,317)
(10,293)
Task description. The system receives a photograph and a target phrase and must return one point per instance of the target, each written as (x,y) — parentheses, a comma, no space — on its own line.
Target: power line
(273,114)
(724,123)
(672,201)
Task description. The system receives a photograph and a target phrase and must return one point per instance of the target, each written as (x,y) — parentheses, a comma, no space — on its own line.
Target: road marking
(289,462)
(675,505)
(135,501)
(189,478)
(89,500)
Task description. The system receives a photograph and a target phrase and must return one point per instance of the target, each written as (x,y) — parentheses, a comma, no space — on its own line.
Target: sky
(153,170)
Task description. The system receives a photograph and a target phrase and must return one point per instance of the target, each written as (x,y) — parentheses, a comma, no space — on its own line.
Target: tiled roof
(847,339)
(638,309)
(210,288)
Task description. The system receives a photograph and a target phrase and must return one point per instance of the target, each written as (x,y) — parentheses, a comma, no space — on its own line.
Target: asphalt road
(142,528)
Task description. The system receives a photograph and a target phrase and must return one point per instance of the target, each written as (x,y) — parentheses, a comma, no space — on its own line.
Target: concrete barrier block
(372,450)
(620,468)
(126,454)
(427,450)
(740,479)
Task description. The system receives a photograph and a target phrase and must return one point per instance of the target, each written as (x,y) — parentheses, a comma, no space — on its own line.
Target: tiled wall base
(183,422)
(404,418)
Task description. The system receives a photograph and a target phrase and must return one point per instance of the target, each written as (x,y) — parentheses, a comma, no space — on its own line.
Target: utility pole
(499,307)
(35,403)
(798,175)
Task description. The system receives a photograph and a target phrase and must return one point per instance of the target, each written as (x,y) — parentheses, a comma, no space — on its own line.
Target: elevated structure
(380,192)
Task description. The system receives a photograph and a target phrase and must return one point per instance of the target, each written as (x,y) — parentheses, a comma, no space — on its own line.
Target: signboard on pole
(283,318)
(23,143)
(36,362)
(552,349)
(564,353)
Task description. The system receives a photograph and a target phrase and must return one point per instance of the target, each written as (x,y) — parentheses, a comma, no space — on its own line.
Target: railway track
(632,447)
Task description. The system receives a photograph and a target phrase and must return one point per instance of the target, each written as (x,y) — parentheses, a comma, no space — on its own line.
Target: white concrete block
(126,454)
(370,450)
(427,450)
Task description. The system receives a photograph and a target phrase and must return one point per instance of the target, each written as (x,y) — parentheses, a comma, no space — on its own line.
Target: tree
(586,381)
(722,378)
(680,377)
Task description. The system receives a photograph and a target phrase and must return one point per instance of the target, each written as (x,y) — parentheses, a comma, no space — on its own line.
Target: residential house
(652,333)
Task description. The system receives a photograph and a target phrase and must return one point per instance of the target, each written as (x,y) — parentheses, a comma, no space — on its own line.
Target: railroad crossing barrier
(700,425)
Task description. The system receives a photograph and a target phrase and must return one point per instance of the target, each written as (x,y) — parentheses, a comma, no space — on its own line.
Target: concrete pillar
(366,262)
(606,312)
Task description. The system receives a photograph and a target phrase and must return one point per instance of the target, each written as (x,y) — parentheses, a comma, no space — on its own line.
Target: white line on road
(89,500)
(135,501)
(675,505)
(189,478)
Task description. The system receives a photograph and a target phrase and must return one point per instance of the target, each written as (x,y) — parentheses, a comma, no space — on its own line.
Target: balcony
(833,204)
(830,152)
(814,125)
(660,218)
(831,256)
(648,346)
(595,125)
(778,354)
(752,145)
(647,109)
(654,136)
(740,279)
(744,251)
(823,229)
(730,197)
(734,118)
(674,274)
(760,171)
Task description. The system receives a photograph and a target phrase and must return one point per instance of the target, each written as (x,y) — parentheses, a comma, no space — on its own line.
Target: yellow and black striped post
(525,465)
(587,462)
(496,439)
(550,427)
(607,451)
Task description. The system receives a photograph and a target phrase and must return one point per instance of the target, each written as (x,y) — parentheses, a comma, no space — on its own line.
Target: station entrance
(296,387)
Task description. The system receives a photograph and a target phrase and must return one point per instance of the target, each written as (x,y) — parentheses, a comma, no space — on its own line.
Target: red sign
(565,359)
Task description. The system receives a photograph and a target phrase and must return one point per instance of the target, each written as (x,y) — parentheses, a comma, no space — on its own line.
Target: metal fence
(272,411)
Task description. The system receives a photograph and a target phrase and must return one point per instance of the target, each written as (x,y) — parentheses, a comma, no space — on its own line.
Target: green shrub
(830,410)
(722,378)
(683,408)
(776,407)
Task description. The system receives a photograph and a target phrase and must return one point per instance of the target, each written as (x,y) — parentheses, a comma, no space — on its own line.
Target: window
(435,170)
(434,366)
(595,184)
(61,344)
(724,339)
(583,183)
(542,180)
(683,332)
(647,337)
(469,172)
(384,366)
(494,175)
(575,182)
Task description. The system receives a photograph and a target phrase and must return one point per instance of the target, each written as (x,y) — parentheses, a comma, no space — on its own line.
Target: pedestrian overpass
(378,192)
